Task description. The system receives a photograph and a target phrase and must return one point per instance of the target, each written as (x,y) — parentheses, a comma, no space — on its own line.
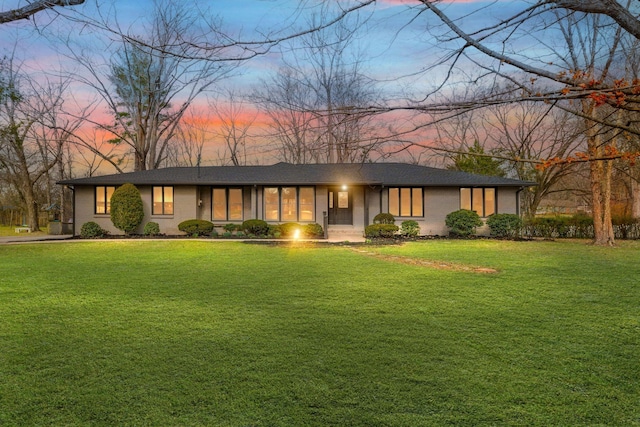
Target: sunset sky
(396,48)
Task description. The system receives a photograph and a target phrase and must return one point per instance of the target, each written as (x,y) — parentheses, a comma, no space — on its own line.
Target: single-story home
(343,198)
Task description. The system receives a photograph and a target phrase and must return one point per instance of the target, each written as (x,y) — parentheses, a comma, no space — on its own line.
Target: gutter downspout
(366,205)
(518,200)
(73,203)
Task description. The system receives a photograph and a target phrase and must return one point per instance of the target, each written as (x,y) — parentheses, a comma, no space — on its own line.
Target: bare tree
(621,14)
(150,83)
(282,99)
(27,11)
(235,121)
(532,131)
(515,136)
(33,134)
(192,134)
(317,101)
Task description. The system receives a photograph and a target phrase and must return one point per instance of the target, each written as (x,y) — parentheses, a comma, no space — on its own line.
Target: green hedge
(380,230)
(151,229)
(505,225)
(91,230)
(196,227)
(576,226)
(463,222)
(127,210)
(288,229)
(409,228)
(312,231)
(384,218)
(256,227)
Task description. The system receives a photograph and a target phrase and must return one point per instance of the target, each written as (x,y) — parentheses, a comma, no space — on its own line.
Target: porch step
(345,233)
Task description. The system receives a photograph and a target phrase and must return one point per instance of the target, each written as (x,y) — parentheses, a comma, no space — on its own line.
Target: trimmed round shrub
(463,222)
(257,227)
(380,230)
(127,210)
(505,225)
(196,227)
(384,218)
(288,228)
(313,230)
(409,228)
(151,229)
(91,230)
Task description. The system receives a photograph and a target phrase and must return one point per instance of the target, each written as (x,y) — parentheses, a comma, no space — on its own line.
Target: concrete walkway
(36,237)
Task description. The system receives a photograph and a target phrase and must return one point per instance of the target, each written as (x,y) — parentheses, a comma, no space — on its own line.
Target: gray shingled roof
(388,174)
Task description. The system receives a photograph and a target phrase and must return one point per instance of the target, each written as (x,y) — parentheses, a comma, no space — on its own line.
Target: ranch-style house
(343,198)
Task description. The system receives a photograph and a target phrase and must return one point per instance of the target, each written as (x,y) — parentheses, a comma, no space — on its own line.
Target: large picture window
(406,202)
(480,200)
(227,204)
(103,199)
(162,201)
(289,204)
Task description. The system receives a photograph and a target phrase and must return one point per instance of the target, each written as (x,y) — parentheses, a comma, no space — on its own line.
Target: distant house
(344,198)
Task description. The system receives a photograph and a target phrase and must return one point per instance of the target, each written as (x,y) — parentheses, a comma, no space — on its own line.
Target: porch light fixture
(344,187)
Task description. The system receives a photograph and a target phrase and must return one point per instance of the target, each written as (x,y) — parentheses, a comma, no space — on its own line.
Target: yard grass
(232,334)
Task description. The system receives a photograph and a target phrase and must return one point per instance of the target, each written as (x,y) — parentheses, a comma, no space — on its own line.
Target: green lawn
(10,230)
(176,333)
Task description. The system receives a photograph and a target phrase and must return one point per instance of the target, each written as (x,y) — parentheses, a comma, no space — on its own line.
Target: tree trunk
(32,209)
(600,174)
(635,198)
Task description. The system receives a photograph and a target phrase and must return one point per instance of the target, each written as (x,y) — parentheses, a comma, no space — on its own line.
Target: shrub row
(578,226)
(384,226)
(464,223)
(461,223)
(253,228)
(91,230)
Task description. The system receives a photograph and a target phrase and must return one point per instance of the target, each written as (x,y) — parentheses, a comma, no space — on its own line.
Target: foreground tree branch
(27,11)
(611,8)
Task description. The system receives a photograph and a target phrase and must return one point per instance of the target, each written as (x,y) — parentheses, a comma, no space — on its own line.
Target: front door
(340,207)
